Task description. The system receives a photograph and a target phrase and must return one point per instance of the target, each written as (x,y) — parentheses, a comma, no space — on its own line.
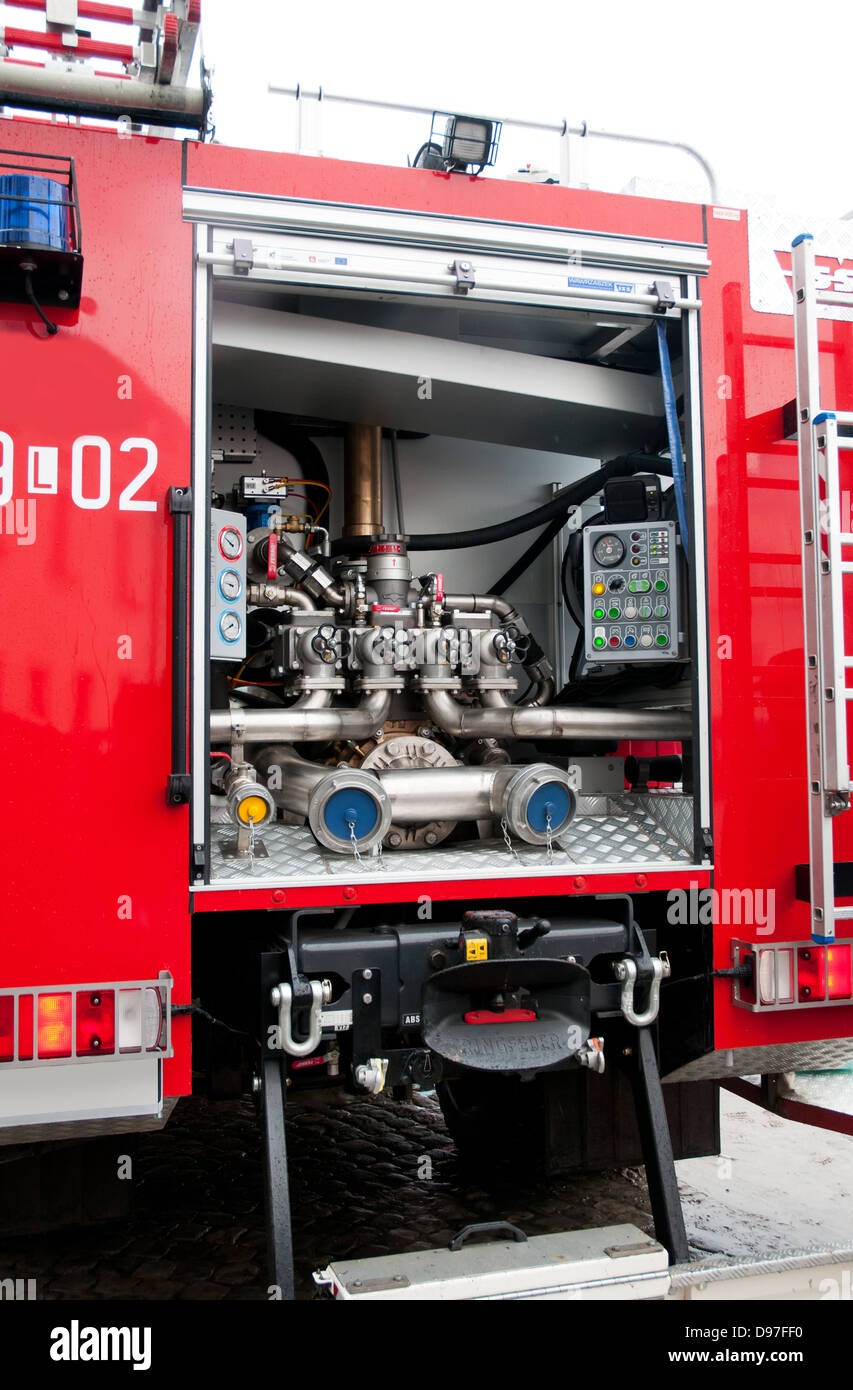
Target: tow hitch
(507,1012)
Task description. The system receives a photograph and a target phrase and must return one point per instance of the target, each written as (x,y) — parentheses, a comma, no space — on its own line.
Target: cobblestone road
(197,1230)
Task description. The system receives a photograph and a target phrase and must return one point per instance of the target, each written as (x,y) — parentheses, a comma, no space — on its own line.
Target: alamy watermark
(726,907)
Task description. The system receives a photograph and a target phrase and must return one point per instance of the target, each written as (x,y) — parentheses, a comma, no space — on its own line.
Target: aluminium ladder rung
(822,434)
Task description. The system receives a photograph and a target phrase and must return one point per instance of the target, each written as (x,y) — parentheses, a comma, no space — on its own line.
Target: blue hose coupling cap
(349,810)
(540,803)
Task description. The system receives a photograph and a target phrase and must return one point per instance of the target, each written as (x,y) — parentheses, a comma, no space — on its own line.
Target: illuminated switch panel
(227,586)
(631,592)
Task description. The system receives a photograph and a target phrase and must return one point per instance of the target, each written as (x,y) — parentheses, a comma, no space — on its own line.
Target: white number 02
(128,501)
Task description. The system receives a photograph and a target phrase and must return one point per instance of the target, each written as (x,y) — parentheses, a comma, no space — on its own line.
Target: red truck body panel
(86,661)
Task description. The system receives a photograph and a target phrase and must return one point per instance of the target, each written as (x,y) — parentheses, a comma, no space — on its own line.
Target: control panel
(631,592)
(227,586)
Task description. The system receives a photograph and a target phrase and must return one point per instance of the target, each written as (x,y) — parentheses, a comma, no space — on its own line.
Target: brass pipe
(363,480)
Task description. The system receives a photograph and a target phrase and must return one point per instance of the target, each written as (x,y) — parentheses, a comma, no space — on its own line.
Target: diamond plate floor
(625,833)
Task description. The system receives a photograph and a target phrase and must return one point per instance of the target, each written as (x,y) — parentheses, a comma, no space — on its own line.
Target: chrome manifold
(352,648)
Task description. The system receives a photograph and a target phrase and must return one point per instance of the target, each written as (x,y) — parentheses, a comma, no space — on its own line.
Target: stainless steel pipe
(310,720)
(554,721)
(419,795)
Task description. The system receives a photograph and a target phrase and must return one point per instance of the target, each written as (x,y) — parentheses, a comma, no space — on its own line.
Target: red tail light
(54,1025)
(7,1026)
(793,975)
(839,971)
(96,1023)
(25,1027)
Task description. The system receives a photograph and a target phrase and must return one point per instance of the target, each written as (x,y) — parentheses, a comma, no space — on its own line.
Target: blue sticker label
(591,284)
(588,284)
(340,260)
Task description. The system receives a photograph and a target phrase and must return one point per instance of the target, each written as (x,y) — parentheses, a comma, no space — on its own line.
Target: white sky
(762,89)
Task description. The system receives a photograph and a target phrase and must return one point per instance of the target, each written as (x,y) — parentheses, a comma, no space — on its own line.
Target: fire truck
(425,650)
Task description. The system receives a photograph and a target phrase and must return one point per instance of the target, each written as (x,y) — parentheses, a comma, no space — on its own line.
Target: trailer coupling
(505,1012)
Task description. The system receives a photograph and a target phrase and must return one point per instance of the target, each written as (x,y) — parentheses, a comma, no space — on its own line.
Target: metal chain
(354,841)
(549,844)
(505,832)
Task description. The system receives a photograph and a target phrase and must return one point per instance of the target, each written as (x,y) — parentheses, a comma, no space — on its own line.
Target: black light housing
(459,143)
(41,259)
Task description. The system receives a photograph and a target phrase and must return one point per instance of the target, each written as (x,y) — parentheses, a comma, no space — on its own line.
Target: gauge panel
(631,596)
(227,586)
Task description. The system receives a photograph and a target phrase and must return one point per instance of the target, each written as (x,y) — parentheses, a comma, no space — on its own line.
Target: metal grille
(614,833)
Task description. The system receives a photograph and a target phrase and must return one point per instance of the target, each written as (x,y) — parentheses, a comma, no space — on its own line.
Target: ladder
(821,435)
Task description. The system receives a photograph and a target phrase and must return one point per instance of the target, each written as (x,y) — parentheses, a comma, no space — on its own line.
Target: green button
(645,611)
(662,639)
(660,585)
(613,612)
(598,641)
(598,612)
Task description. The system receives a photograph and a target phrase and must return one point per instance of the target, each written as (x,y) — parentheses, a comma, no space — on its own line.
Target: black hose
(631,464)
(558,506)
(533,551)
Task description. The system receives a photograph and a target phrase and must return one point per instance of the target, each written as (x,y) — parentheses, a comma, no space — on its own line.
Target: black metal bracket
(366,1016)
(640,1061)
(274,1094)
(180,506)
(842,871)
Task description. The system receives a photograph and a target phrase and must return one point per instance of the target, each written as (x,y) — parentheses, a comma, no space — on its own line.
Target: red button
(614,641)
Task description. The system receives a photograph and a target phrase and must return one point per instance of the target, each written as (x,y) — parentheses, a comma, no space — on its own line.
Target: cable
(31,296)
(180,1010)
(278,430)
(306,498)
(671,412)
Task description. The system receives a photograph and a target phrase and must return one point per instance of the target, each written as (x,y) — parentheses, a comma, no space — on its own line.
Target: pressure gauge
(230,543)
(230,627)
(608,550)
(230,585)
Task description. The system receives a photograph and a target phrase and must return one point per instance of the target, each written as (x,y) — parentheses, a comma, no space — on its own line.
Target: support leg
(280,1239)
(657,1149)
